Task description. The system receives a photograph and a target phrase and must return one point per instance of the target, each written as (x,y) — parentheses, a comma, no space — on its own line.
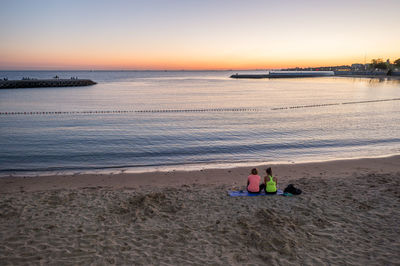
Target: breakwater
(284,74)
(250,76)
(38,83)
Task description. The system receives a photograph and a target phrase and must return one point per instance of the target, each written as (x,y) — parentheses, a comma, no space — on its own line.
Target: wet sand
(348,214)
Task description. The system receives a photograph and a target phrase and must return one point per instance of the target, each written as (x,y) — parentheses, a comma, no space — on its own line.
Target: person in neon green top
(270,182)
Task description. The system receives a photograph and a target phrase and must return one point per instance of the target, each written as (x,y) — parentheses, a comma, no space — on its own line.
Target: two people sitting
(269,185)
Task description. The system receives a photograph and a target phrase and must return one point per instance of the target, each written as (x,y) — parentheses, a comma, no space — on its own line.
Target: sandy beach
(348,214)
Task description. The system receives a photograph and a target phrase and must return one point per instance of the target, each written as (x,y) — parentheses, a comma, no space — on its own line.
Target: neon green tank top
(271,184)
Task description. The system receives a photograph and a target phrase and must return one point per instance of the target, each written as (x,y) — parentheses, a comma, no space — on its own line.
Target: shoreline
(235,175)
(189,167)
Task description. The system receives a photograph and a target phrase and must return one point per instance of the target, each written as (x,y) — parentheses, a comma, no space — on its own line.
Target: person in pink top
(253,182)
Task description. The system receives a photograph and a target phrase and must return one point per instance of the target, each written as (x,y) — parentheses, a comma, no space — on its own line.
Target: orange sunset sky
(195,35)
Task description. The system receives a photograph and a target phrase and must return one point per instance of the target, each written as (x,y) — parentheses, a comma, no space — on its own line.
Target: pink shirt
(254,183)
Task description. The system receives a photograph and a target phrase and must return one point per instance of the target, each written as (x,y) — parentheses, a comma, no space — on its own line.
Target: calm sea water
(184,120)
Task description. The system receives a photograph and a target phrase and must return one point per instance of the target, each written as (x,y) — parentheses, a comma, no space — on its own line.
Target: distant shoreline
(315,74)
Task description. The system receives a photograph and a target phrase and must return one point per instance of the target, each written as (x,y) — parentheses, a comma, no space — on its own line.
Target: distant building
(357,67)
(325,68)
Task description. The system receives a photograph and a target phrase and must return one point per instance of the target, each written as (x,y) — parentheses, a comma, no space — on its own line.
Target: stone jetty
(284,74)
(250,76)
(38,83)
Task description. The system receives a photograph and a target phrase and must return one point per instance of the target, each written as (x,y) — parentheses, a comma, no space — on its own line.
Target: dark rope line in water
(331,104)
(135,111)
(373,101)
(194,110)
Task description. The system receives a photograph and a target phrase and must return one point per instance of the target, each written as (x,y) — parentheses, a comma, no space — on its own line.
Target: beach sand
(348,214)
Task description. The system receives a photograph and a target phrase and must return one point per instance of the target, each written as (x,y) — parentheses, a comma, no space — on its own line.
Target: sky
(195,35)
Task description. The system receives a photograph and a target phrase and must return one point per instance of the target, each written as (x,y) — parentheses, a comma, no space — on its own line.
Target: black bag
(292,190)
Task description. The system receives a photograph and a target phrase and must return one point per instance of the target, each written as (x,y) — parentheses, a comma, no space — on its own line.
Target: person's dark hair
(254,171)
(269,171)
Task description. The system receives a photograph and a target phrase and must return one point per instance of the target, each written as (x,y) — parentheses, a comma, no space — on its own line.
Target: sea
(140,121)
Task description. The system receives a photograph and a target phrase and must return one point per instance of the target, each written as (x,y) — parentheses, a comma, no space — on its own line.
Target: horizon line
(168,70)
(142,70)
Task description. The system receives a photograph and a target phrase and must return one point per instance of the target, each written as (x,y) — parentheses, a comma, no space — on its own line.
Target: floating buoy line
(134,111)
(193,110)
(332,104)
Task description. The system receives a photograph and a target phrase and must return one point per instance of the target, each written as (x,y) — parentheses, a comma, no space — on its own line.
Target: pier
(39,83)
(284,74)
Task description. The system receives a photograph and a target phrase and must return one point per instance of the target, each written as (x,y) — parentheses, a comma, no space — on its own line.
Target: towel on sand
(244,193)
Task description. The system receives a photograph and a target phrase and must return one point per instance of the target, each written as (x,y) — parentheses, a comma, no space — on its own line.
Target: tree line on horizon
(380,64)
(376,64)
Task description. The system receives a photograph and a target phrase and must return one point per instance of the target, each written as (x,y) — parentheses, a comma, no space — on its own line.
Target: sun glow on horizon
(192,36)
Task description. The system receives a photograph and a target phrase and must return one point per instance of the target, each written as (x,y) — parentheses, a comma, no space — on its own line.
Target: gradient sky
(188,34)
